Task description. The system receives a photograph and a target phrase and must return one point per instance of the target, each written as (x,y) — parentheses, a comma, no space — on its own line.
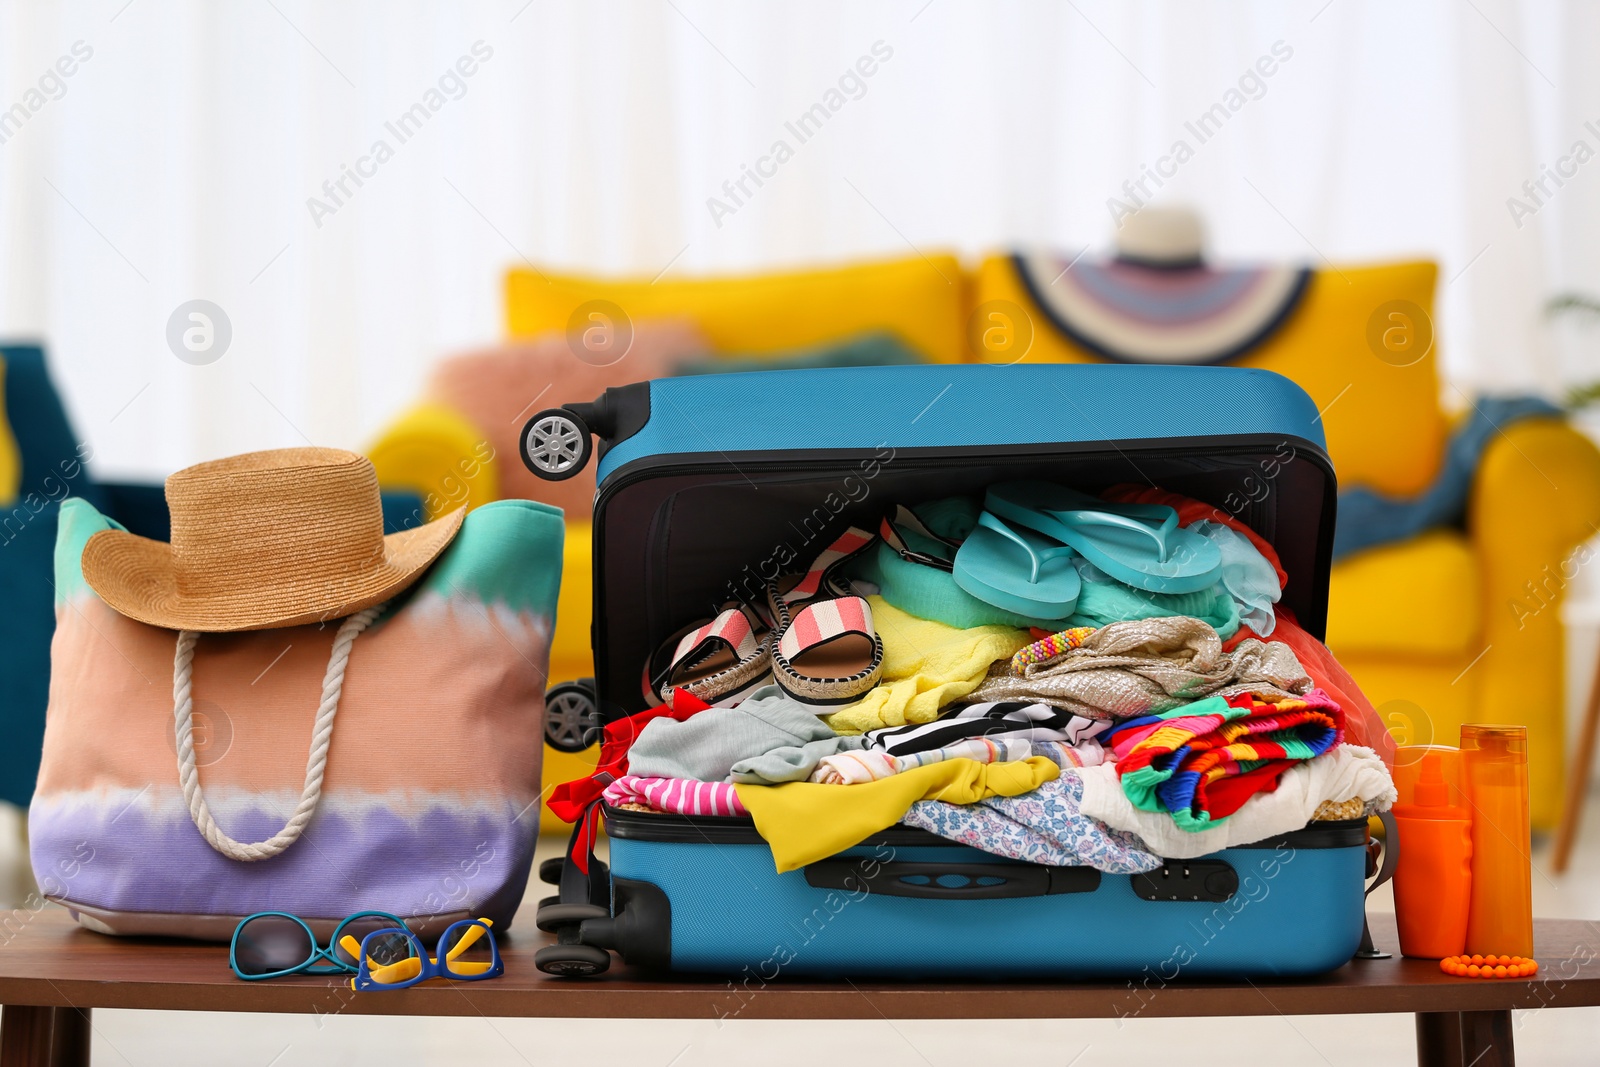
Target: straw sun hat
(262,540)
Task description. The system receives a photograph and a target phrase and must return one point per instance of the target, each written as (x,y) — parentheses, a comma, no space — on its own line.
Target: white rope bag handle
(316,762)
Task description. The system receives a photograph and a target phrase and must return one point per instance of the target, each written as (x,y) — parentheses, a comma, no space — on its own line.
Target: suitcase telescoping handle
(951,881)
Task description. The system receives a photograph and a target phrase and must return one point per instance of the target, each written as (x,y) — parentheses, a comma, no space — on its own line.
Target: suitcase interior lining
(675,538)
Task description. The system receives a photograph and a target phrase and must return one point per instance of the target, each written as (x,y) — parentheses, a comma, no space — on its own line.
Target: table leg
(1438,1039)
(32,1036)
(1486,1039)
(70,1046)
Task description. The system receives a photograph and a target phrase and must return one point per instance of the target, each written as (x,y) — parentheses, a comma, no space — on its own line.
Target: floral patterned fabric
(1043,826)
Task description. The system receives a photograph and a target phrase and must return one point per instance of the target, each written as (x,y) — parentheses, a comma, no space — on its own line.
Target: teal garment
(930,593)
(1247,576)
(879,349)
(1105,600)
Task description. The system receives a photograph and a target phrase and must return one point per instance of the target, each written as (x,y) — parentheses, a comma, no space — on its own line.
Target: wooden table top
(47,960)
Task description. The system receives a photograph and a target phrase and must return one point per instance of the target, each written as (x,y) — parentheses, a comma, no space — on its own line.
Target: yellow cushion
(1382,420)
(1416,598)
(434,451)
(920,299)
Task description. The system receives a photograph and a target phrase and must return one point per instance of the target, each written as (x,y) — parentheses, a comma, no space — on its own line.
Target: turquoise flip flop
(1137,544)
(1018,570)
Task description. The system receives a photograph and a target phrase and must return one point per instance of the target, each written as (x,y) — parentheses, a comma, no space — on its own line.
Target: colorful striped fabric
(677,796)
(1086,753)
(1202,761)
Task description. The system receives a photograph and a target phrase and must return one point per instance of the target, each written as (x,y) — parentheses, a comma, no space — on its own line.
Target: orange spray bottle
(1433,879)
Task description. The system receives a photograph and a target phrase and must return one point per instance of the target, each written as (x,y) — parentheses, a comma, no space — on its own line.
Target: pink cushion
(500,388)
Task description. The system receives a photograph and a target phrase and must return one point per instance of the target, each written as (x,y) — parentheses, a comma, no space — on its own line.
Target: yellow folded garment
(806,821)
(926,665)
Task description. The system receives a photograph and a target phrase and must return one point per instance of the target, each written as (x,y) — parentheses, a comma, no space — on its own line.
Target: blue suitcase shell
(708,485)
(906,904)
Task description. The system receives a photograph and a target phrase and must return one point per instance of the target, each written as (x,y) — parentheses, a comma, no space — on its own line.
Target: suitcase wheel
(556,444)
(545,902)
(572,961)
(550,871)
(552,917)
(571,720)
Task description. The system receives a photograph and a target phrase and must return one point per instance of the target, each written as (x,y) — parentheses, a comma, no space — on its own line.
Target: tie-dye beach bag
(428,803)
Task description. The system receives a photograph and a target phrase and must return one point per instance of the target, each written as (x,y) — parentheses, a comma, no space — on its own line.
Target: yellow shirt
(805,821)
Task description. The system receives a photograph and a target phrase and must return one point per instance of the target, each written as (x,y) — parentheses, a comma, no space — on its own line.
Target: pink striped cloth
(677,796)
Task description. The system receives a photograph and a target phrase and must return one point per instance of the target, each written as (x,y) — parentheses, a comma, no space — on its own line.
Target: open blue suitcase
(705,481)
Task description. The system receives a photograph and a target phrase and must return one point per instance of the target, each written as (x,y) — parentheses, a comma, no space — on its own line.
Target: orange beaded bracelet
(1489,966)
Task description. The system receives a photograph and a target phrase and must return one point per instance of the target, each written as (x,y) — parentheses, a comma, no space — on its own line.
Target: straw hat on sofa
(1162,237)
(263,540)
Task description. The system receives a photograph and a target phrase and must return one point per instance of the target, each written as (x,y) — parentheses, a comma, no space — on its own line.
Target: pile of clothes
(951,675)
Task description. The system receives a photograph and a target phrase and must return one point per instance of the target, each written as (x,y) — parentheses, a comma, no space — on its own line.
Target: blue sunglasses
(272,944)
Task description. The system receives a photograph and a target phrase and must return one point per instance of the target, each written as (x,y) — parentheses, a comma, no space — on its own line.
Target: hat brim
(136,577)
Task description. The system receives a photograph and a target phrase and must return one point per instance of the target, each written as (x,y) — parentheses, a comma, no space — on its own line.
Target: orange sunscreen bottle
(1433,880)
(1495,765)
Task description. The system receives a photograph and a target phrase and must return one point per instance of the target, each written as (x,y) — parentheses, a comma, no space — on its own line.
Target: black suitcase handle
(951,881)
(1383,871)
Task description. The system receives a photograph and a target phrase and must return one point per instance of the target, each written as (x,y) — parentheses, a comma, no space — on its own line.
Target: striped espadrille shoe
(829,653)
(786,595)
(721,662)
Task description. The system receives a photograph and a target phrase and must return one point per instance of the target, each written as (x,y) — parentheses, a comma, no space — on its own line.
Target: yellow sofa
(1451,626)
(1447,628)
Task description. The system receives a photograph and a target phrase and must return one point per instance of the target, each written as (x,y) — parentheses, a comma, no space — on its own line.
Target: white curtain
(186,154)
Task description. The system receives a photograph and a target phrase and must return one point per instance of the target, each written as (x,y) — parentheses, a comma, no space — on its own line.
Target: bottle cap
(1428,776)
(1431,790)
(1495,741)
